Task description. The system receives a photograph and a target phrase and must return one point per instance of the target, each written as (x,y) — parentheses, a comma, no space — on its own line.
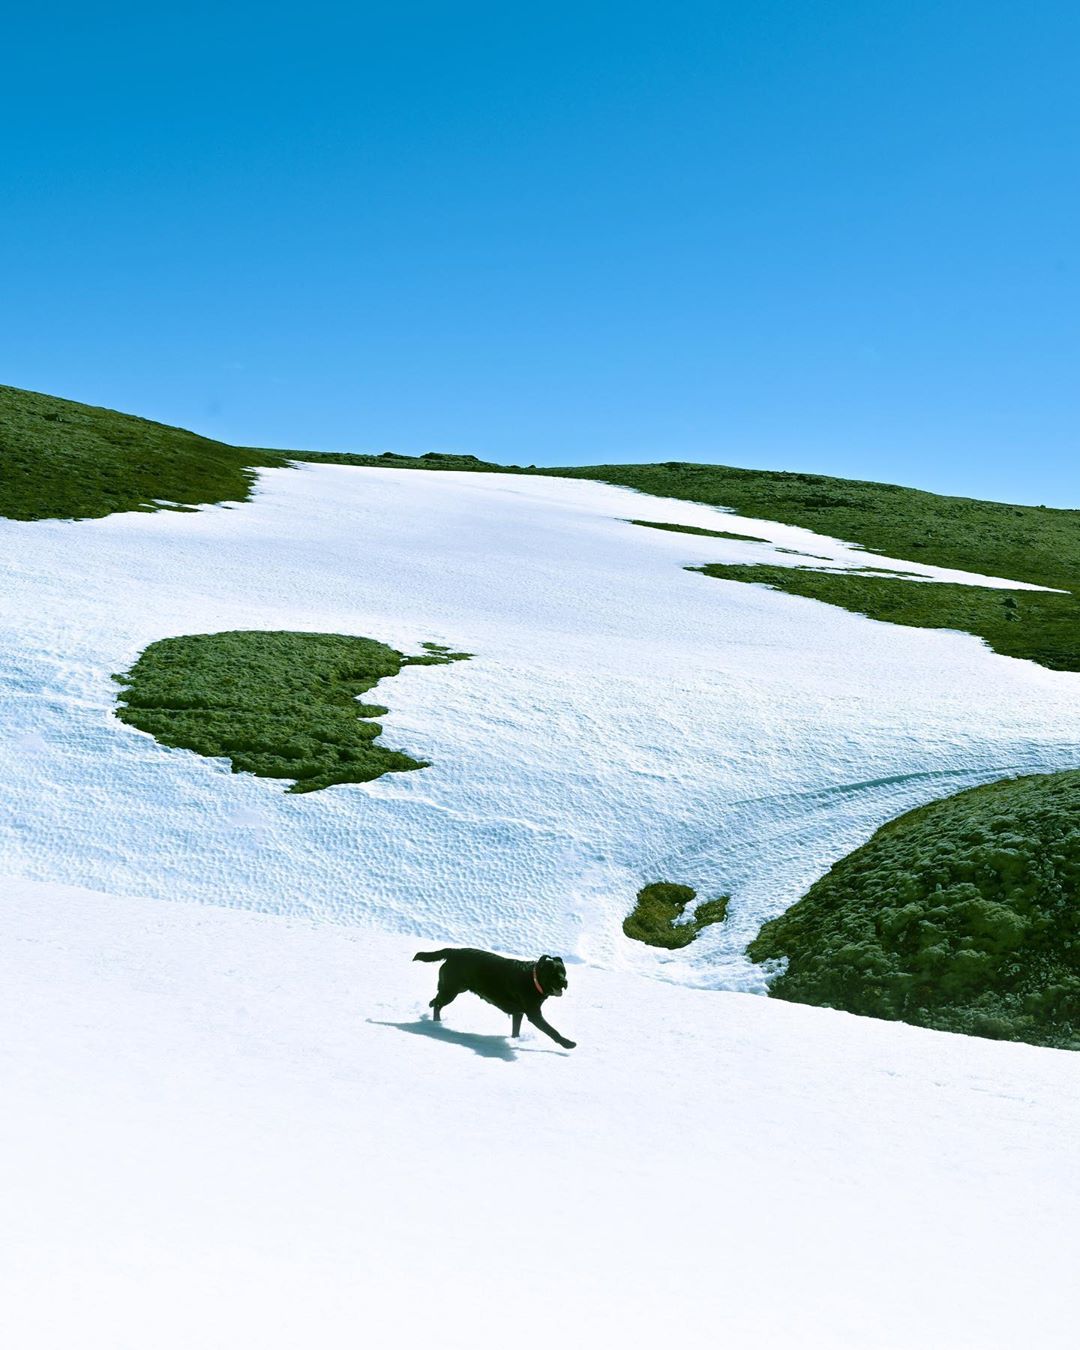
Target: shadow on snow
(490,1047)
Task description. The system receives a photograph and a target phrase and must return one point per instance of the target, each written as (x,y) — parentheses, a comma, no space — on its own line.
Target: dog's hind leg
(439,1002)
(446,993)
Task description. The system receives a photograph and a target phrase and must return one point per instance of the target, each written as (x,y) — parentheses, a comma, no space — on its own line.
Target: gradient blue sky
(832,237)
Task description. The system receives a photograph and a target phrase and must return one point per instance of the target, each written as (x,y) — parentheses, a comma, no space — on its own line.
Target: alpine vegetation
(960,915)
(60,459)
(658,916)
(217,974)
(278,705)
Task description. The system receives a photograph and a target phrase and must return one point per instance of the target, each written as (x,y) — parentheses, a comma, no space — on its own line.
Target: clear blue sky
(836,237)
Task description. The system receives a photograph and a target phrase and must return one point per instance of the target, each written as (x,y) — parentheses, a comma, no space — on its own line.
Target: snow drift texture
(622,721)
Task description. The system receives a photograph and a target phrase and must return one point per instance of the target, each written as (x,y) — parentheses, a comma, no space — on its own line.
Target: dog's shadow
(489,1047)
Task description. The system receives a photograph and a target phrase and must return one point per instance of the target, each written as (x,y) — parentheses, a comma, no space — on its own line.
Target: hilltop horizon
(434,452)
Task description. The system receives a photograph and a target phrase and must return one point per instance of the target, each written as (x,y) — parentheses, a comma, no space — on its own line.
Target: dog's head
(551,973)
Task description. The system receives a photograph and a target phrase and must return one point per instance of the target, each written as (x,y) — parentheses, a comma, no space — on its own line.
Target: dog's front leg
(538,1020)
(517,1023)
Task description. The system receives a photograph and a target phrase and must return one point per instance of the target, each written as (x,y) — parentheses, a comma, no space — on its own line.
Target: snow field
(622,720)
(225,1130)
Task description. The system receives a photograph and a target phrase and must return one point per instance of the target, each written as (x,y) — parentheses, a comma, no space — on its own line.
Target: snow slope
(225,1129)
(229,1131)
(622,721)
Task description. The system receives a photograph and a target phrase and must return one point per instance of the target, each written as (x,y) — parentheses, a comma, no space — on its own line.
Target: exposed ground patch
(277,704)
(658,916)
(960,915)
(1042,626)
(694,529)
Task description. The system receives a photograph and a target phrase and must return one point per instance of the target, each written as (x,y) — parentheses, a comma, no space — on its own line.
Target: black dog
(516,987)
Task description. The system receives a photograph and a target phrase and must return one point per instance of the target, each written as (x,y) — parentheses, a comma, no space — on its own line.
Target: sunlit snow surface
(622,720)
(233,1131)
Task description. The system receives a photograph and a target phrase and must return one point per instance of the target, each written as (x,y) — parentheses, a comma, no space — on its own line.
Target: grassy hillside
(70,461)
(278,705)
(1025,543)
(433,460)
(960,915)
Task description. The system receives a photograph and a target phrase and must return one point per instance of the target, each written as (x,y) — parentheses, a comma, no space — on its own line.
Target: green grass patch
(694,529)
(658,917)
(279,705)
(1042,626)
(960,915)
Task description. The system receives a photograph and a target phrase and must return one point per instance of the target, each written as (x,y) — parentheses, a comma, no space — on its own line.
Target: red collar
(539,986)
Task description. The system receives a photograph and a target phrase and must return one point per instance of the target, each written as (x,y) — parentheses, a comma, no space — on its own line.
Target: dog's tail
(434,956)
